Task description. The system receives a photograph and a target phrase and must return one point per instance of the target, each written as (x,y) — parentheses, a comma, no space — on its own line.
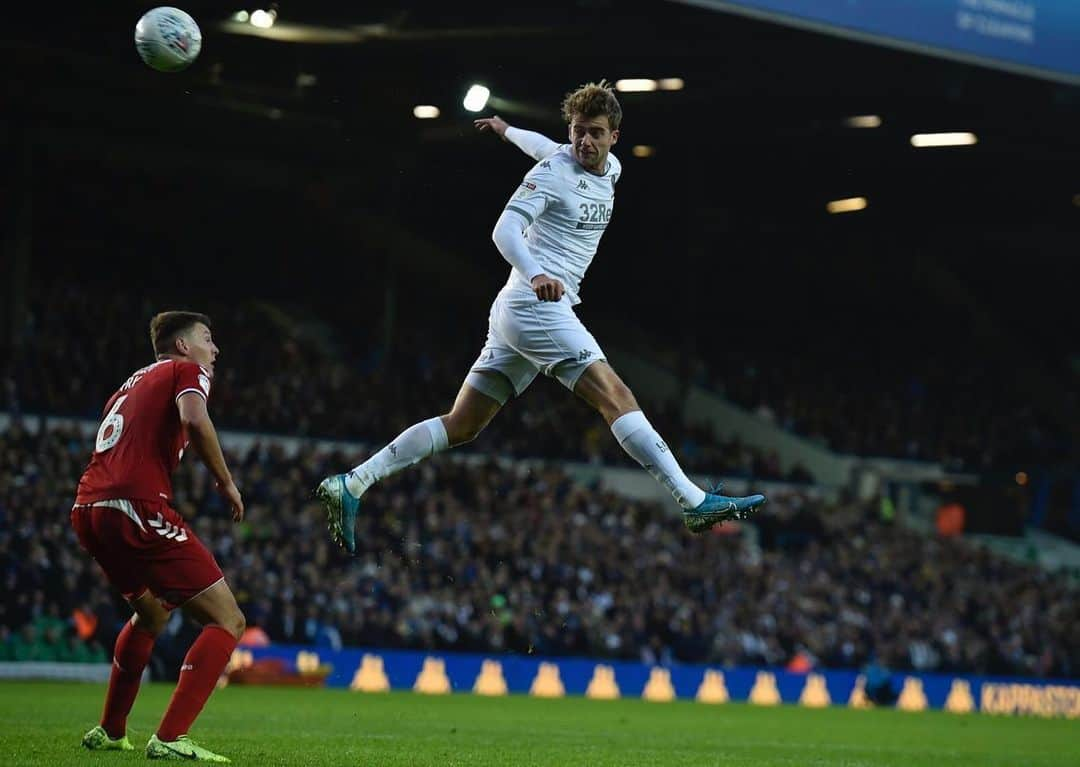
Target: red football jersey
(141,440)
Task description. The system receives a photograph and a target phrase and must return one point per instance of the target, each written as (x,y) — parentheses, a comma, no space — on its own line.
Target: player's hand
(495,124)
(232,495)
(547,288)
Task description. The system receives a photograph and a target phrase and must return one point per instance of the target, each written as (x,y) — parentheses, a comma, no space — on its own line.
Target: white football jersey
(567,209)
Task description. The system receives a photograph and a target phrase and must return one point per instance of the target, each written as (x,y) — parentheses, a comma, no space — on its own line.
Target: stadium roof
(754,145)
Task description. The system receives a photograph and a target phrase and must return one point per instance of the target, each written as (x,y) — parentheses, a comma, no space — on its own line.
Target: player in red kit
(123,518)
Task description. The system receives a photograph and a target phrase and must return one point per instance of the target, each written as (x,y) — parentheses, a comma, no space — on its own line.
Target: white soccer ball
(167,39)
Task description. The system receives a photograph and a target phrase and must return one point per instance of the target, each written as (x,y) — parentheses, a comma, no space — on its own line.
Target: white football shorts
(527,336)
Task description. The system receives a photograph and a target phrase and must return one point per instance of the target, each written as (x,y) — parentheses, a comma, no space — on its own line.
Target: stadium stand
(500,557)
(303,380)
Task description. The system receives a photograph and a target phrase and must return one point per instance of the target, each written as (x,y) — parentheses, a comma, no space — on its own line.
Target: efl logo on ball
(167,39)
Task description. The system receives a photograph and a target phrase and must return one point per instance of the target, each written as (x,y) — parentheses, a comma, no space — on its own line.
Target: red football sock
(130,656)
(203,664)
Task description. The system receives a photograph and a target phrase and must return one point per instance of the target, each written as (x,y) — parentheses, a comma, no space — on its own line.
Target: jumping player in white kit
(562,206)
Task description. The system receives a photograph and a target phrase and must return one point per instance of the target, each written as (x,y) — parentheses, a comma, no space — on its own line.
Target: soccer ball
(167,39)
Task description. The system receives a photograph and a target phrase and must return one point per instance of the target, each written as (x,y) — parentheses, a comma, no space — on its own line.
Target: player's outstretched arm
(537,146)
(203,435)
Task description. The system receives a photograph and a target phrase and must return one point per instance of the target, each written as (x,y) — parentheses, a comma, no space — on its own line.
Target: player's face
(198,345)
(592,139)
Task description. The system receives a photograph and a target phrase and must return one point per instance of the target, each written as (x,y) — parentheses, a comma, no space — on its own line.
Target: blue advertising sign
(437,672)
(1036,37)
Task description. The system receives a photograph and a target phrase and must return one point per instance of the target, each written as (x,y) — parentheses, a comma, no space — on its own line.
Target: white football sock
(421,440)
(640,440)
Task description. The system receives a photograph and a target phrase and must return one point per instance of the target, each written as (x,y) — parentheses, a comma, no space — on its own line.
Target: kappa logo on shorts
(167,529)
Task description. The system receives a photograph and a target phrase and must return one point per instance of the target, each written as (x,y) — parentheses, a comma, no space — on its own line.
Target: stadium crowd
(295,380)
(511,556)
(969,416)
(313,378)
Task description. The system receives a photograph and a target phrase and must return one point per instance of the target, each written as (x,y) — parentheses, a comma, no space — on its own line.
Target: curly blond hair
(592,100)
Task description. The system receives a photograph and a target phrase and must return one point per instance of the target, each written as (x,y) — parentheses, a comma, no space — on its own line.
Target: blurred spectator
(879,685)
(949,519)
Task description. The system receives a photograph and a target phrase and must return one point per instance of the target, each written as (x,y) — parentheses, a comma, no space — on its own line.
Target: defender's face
(198,345)
(592,139)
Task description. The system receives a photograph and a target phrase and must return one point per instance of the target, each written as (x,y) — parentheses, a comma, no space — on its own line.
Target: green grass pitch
(41,724)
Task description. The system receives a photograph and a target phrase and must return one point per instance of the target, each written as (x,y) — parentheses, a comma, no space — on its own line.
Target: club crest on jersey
(527,187)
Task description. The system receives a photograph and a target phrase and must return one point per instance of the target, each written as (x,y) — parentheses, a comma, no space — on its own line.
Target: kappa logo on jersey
(393,449)
(584,354)
(204,383)
(583,184)
(167,529)
(546,164)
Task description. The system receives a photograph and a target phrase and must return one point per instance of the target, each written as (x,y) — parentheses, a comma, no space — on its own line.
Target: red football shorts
(144,545)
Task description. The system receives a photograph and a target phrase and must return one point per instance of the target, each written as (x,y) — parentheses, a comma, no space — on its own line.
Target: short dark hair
(166,327)
(592,100)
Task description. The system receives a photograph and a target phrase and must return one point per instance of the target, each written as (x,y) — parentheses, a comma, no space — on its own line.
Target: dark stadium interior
(344,248)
